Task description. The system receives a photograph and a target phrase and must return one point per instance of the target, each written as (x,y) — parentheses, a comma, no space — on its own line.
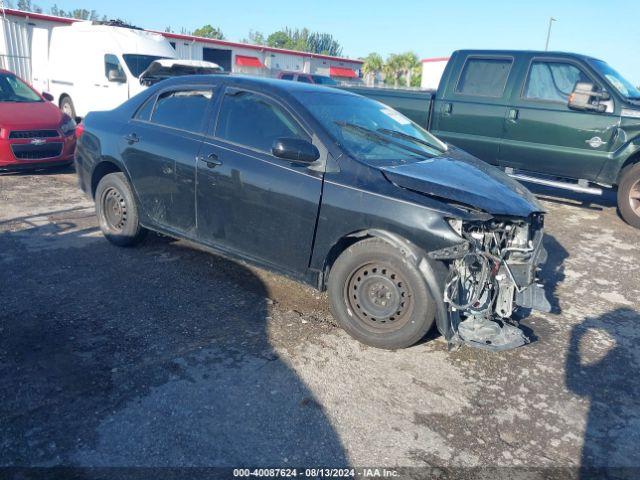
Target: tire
(379,297)
(66,105)
(629,195)
(117,211)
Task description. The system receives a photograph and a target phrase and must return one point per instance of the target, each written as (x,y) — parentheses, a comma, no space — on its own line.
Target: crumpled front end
(490,275)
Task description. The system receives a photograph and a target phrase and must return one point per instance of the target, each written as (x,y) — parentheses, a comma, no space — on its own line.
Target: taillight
(79,130)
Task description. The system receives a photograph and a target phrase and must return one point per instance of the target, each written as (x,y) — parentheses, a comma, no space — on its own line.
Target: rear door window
(255,121)
(484,77)
(552,81)
(287,76)
(304,79)
(184,109)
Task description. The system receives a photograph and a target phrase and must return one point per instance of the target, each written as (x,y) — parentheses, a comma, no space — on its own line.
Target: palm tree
(410,63)
(393,68)
(373,64)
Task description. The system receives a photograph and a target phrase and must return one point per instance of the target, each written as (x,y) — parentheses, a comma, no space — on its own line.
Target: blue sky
(605,29)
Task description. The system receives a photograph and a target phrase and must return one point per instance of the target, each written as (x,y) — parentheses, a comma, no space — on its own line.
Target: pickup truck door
(542,135)
(470,114)
(250,202)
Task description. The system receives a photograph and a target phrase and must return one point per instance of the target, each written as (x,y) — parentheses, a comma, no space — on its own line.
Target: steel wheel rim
(379,297)
(114,209)
(634,197)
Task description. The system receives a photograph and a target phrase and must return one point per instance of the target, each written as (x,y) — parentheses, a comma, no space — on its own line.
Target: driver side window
(252,120)
(552,81)
(111,63)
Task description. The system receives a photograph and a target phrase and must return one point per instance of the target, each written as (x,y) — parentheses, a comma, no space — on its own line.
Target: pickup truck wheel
(379,297)
(629,195)
(117,211)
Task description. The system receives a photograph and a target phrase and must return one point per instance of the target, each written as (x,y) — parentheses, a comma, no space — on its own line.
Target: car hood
(33,116)
(461,178)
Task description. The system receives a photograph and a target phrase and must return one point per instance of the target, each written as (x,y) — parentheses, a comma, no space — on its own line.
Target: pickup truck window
(182,109)
(252,120)
(552,81)
(484,77)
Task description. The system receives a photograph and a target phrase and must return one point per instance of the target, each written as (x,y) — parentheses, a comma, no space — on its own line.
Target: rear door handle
(513,114)
(447,109)
(212,160)
(132,138)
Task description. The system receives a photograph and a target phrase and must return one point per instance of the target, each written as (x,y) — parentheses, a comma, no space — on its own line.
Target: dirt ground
(164,355)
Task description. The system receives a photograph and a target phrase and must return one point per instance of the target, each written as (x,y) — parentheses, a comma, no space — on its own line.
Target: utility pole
(551,20)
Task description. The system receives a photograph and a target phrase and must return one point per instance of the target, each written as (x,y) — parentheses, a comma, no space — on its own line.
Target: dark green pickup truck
(558,119)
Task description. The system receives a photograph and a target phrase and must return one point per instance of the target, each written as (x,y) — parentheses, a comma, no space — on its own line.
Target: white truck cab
(97,67)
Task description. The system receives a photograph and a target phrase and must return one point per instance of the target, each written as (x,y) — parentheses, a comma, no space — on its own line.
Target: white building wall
(432,70)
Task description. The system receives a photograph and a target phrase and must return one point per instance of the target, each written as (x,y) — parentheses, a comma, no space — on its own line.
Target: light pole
(551,20)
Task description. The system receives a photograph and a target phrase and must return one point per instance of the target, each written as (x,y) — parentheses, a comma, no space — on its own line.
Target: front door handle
(448,108)
(132,138)
(513,114)
(212,160)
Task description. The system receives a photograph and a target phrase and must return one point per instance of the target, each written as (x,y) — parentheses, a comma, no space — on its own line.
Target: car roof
(275,85)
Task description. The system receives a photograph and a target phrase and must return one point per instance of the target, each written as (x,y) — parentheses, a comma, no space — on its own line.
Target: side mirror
(295,149)
(47,96)
(585,97)
(116,76)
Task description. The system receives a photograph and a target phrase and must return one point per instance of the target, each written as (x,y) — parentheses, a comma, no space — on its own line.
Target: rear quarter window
(182,109)
(484,77)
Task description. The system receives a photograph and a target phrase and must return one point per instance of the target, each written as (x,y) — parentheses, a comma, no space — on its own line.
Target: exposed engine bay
(493,275)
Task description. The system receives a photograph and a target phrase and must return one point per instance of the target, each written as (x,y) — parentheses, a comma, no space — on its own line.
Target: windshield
(12,89)
(322,80)
(621,84)
(369,130)
(139,63)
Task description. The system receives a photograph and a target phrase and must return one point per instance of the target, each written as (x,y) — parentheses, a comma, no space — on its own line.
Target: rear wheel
(379,297)
(629,195)
(117,211)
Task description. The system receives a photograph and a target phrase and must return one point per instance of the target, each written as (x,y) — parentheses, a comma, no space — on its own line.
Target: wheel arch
(103,168)
(632,160)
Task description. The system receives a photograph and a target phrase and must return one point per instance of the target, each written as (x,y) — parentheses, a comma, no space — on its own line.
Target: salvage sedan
(327,187)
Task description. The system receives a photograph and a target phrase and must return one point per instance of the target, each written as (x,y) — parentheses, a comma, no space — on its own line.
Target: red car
(34,133)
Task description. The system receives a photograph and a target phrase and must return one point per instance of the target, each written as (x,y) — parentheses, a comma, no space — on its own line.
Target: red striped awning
(342,72)
(245,61)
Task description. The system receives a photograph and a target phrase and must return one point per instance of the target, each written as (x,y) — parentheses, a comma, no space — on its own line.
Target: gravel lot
(163,355)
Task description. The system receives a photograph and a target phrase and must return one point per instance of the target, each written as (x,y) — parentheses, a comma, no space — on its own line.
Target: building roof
(191,38)
(39,16)
(262,48)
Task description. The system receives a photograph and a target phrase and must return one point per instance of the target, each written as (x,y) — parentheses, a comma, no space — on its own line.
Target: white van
(97,67)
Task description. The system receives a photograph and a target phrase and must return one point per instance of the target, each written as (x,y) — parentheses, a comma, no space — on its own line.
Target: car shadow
(153,356)
(601,366)
(43,171)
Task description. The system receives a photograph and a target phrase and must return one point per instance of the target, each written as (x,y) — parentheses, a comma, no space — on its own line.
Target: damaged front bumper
(490,275)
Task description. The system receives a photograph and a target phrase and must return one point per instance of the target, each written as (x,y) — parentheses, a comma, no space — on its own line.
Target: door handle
(513,114)
(132,138)
(447,109)
(212,160)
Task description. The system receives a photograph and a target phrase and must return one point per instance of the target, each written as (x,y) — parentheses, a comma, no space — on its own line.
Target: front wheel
(379,297)
(629,195)
(117,211)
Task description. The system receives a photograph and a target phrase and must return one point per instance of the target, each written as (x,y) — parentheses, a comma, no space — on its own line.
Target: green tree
(207,31)
(410,64)
(255,38)
(393,69)
(280,39)
(372,66)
